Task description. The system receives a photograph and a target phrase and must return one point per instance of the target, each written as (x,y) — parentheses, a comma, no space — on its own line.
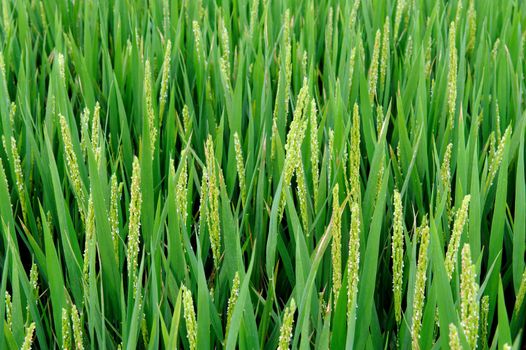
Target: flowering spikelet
(66,330)
(302,196)
(181,191)
(8,310)
(353,264)
(148,98)
(28,339)
(293,146)
(506,346)
(115,198)
(84,126)
(352,59)
(95,128)
(521,293)
(232,300)
(213,202)
(336,249)
(400,6)
(472,23)
(373,68)
(240,164)
(6,16)
(454,340)
(285,332)
(454,240)
(398,254)
(189,316)
(497,118)
(19,176)
(33,280)
(379,119)
(72,165)
(314,151)
(197,37)
(355,156)
(452,75)
(445,178)
(420,285)
(77,328)
(165,76)
(497,158)
(484,310)
(354,12)
(134,224)
(469,307)
(384,58)
(458,14)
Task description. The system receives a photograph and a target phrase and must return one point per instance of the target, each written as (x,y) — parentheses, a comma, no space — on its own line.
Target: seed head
(384,59)
(197,37)
(8,310)
(373,68)
(469,307)
(302,196)
(354,12)
(400,6)
(452,75)
(355,156)
(95,128)
(213,202)
(285,332)
(445,177)
(28,339)
(72,165)
(240,164)
(89,244)
(420,285)
(164,78)
(77,328)
(115,199)
(352,59)
(484,310)
(293,146)
(454,340)
(61,67)
(232,300)
(148,98)
(454,241)
(472,22)
(353,265)
(84,126)
(314,150)
(521,293)
(66,330)
(497,158)
(398,254)
(181,191)
(134,224)
(189,316)
(187,122)
(336,250)
(19,176)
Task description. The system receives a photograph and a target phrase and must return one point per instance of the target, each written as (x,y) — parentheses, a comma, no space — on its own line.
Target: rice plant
(262,174)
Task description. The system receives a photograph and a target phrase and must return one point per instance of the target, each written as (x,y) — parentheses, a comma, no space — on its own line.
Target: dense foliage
(262,174)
